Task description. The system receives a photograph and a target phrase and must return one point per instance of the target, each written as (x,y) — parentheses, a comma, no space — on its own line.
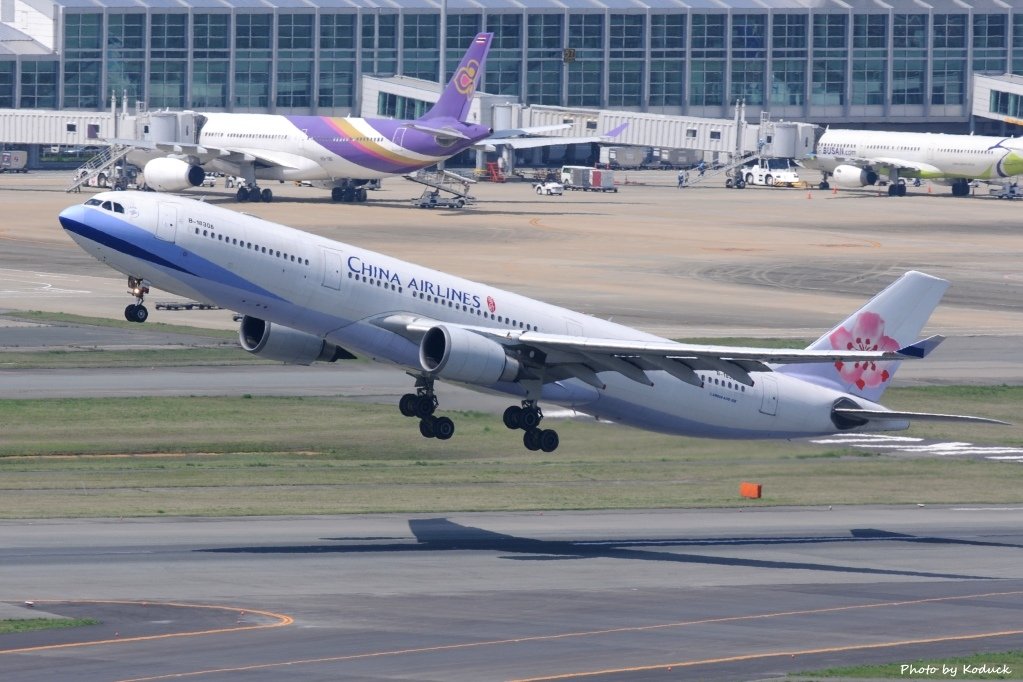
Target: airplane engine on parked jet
(853,176)
(287,345)
(461,355)
(172,175)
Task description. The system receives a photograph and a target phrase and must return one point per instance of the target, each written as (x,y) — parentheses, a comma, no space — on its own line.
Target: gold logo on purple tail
(465,79)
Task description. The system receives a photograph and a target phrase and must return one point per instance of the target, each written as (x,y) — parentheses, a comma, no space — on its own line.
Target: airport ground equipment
(99,171)
(771,172)
(442,181)
(588,179)
(13,162)
(549,188)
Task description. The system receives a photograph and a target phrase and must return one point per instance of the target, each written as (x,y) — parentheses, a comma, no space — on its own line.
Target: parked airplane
(306,298)
(341,153)
(857,158)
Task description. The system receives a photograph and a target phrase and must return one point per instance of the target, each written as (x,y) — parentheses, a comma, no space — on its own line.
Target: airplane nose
(71,217)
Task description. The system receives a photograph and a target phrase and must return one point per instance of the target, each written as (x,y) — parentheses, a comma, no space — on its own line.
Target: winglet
(921,349)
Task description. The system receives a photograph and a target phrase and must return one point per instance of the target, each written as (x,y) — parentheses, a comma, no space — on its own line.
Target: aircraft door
(769,401)
(167,222)
(399,136)
(332,269)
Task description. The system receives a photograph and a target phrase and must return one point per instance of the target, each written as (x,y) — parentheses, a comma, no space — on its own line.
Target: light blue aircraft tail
(454,101)
(891,320)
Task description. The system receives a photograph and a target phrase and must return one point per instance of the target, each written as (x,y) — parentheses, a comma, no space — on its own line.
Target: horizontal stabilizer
(439,133)
(923,348)
(857,414)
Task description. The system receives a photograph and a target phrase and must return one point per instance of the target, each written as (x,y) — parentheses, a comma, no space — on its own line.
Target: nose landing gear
(136,312)
(528,418)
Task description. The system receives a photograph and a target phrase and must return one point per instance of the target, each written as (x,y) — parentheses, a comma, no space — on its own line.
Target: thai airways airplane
(306,298)
(341,152)
(857,158)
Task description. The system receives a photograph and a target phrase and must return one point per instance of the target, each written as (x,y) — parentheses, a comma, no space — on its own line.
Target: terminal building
(872,63)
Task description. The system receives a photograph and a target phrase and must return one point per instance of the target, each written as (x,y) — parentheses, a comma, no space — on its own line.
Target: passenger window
(106,205)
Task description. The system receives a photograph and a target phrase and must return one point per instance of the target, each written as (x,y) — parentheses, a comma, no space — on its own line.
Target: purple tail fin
(454,101)
(889,321)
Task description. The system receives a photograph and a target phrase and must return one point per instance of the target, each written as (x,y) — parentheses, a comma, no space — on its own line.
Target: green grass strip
(33,624)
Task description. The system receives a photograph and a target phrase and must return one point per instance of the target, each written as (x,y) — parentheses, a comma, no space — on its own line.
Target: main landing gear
(348,194)
(422,404)
(136,312)
(528,419)
(254,193)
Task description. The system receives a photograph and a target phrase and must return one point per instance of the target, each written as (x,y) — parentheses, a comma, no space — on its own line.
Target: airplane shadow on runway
(441,534)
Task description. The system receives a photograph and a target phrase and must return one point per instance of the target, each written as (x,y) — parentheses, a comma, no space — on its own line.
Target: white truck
(588,179)
(771,172)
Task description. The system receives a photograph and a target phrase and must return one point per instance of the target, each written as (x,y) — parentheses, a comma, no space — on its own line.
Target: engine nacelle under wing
(287,345)
(172,175)
(460,355)
(847,175)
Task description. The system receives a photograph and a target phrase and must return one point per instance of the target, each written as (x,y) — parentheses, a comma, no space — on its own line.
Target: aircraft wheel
(361,195)
(824,185)
(529,419)
(425,407)
(242,194)
(136,313)
(336,194)
(531,439)
(407,405)
(255,195)
(426,428)
(443,428)
(266,196)
(901,191)
(549,440)
(129,312)
(512,417)
(893,190)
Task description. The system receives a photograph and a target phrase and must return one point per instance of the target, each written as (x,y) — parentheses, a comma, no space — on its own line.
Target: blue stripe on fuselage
(123,237)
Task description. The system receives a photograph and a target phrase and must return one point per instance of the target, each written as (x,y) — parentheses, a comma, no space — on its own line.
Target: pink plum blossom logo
(867,334)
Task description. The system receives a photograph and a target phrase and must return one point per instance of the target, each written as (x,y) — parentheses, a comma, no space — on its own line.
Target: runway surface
(692,595)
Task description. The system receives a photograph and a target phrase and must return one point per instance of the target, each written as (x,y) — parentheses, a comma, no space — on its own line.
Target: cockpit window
(106,205)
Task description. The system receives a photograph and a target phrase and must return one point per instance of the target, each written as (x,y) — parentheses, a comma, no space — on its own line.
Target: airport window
(421,42)
(829,31)
(626,35)
(7,89)
(667,32)
(870,31)
(989,43)
(748,80)
(379,43)
(749,33)
(82,83)
(294,83)
(949,31)
(909,31)
(708,36)
(948,81)
(788,82)
(708,82)
(828,87)
(908,81)
(586,34)
(167,83)
(789,35)
(666,82)
(39,84)
(584,83)
(869,77)
(625,83)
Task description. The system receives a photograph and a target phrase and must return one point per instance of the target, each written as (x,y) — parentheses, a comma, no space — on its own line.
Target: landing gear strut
(528,418)
(422,404)
(136,312)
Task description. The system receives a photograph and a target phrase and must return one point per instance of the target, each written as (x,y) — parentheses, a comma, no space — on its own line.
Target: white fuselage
(938,155)
(338,292)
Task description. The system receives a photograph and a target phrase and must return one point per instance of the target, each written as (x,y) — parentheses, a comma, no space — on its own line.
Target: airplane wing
(563,356)
(902,164)
(534,130)
(206,153)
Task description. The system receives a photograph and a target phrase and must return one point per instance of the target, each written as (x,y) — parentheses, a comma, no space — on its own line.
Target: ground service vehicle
(549,188)
(588,179)
(13,162)
(771,172)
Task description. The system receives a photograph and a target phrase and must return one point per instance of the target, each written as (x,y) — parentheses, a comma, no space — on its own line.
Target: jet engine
(287,345)
(172,175)
(853,176)
(460,355)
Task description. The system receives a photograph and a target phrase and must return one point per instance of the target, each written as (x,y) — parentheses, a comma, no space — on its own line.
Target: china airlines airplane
(857,158)
(306,298)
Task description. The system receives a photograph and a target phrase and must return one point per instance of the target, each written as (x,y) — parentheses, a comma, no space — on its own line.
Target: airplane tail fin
(891,320)
(454,101)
